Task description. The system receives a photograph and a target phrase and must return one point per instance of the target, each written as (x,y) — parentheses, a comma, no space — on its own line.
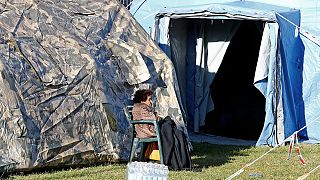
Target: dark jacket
(174,145)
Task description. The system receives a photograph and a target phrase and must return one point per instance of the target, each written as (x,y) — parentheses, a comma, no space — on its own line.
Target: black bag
(174,145)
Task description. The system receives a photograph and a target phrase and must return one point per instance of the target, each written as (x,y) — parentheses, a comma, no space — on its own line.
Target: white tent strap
(130,4)
(151,14)
(247,165)
(307,174)
(291,136)
(315,120)
(302,31)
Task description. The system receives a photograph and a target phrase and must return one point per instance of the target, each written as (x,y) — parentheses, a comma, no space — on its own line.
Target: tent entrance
(217,59)
(239,108)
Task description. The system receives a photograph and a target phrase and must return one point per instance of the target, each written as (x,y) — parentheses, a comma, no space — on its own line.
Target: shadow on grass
(204,155)
(57,169)
(209,155)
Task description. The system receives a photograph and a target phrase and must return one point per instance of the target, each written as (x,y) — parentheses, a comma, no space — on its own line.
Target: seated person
(174,145)
(142,110)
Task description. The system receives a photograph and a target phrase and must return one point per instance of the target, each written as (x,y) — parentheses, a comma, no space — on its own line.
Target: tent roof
(68,71)
(236,10)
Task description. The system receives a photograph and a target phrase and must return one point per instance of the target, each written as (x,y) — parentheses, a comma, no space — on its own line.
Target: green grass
(212,162)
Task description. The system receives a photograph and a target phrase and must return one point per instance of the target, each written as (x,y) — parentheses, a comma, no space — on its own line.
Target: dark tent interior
(239,107)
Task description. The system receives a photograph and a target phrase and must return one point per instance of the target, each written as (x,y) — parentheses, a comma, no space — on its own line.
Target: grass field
(212,162)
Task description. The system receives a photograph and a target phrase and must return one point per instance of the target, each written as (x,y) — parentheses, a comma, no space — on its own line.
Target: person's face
(148,101)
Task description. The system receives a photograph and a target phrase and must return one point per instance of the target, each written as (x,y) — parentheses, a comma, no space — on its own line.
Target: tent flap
(283,71)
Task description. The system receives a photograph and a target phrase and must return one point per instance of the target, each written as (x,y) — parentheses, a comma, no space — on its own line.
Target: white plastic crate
(146,171)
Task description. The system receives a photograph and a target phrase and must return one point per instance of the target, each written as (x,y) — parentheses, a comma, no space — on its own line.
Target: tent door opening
(216,59)
(239,108)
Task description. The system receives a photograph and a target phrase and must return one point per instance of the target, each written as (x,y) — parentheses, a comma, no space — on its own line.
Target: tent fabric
(144,11)
(310,88)
(262,68)
(7,165)
(280,74)
(68,71)
(238,10)
(291,52)
(267,80)
(210,52)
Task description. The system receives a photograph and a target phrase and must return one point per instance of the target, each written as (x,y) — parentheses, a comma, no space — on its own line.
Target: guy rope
(293,136)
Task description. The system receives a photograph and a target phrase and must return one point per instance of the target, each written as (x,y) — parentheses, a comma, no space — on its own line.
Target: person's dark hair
(142,95)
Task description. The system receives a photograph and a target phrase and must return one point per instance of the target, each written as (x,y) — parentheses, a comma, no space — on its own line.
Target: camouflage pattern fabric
(68,70)
(6,165)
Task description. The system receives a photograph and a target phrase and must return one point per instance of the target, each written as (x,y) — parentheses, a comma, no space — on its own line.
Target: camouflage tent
(68,71)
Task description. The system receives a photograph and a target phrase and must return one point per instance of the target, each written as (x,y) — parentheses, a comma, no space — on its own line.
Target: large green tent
(68,71)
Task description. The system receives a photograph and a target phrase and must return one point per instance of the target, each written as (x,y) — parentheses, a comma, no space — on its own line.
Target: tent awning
(233,10)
